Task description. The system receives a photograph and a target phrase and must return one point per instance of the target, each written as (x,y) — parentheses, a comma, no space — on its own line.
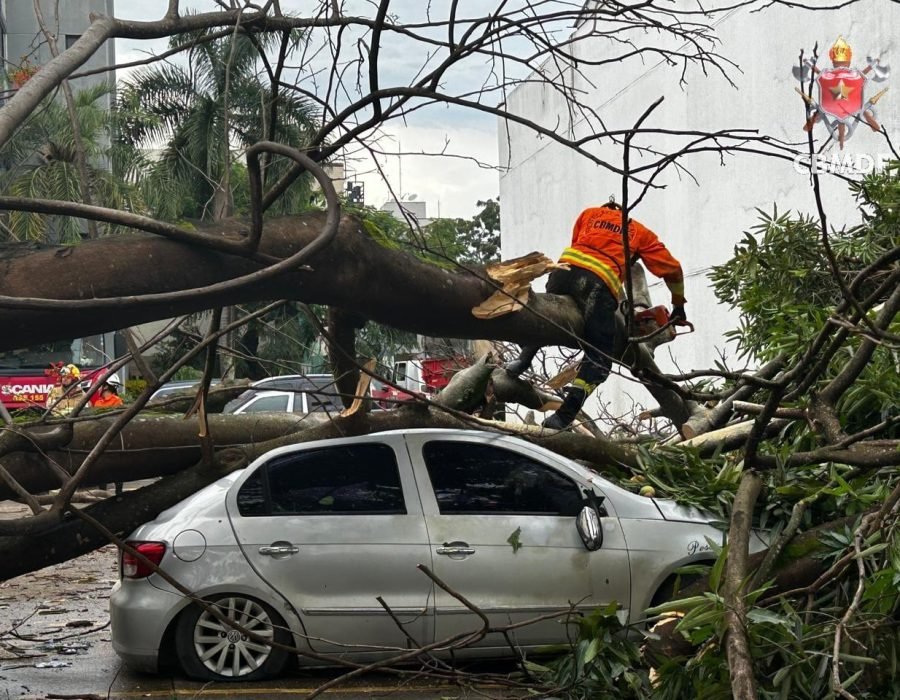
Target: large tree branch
(737,643)
(354,273)
(72,538)
(152,446)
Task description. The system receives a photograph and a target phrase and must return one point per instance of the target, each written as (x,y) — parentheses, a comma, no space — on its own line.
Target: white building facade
(546,185)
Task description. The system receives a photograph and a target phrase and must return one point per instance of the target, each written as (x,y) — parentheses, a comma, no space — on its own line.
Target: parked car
(297,546)
(294,393)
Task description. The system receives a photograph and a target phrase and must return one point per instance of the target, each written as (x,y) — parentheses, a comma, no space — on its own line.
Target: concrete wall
(24,37)
(547,185)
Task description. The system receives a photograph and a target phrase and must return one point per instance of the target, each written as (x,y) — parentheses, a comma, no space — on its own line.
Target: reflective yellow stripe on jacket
(601,269)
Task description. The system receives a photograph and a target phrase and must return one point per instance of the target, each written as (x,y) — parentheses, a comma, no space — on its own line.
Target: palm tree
(199,114)
(40,162)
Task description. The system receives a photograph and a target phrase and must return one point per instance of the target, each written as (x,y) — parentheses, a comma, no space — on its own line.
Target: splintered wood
(361,387)
(514,277)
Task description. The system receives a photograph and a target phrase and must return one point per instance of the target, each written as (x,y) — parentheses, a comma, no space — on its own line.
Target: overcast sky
(450,186)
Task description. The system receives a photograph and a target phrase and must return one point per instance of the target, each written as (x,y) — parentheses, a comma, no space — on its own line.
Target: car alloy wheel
(211,649)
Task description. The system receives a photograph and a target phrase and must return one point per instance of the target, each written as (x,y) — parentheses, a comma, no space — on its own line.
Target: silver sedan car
(311,543)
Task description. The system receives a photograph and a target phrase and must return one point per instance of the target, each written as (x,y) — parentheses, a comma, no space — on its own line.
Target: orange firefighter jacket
(597,246)
(111,401)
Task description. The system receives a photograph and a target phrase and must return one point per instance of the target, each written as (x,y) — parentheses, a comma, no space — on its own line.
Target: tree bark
(342,327)
(148,447)
(730,437)
(354,273)
(737,643)
(122,514)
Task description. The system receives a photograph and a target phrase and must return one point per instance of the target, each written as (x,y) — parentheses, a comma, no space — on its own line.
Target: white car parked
(298,546)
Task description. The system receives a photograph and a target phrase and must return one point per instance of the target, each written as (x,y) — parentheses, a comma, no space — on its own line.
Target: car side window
(324,401)
(348,479)
(473,478)
(267,403)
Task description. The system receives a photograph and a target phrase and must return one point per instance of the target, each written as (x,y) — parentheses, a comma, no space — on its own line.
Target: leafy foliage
(602,662)
(40,162)
(781,282)
(447,243)
(202,113)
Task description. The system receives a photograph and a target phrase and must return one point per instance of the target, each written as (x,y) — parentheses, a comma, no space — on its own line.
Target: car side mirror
(590,529)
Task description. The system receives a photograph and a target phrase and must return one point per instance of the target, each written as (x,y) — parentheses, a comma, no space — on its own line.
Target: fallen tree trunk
(716,417)
(66,540)
(730,437)
(147,447)
(354,273)
(73,537)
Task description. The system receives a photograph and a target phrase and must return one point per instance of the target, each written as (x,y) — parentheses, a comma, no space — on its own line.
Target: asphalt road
(55,643)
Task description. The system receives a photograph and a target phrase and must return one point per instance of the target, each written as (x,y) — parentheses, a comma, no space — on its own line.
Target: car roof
(178,385)
(436,432)
(295,382)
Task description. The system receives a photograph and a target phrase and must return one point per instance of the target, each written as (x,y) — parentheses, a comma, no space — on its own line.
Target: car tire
(210,650)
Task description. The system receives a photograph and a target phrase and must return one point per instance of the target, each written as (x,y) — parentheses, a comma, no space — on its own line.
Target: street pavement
(55,643)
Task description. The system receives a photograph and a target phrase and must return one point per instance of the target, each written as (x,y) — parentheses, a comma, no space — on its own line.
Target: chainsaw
(654,324)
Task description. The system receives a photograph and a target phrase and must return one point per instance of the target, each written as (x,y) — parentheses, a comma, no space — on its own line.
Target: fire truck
(417,373)
(23,380)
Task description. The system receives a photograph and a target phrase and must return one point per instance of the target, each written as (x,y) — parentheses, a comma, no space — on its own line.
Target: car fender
(657,548)
(251,589)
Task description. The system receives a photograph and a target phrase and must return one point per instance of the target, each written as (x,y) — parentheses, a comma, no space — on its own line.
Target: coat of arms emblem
(842,91)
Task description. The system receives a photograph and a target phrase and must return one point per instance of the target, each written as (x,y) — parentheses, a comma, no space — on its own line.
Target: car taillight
(134,567)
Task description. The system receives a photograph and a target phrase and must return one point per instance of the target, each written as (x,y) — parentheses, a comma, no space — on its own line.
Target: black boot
(565,414)
(519,366)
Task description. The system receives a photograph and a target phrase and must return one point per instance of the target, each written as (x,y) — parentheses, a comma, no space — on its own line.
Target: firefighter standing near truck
(107,394)
(596,260)
(66,394)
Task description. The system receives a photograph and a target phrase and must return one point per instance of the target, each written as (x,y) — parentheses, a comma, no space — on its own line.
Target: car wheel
(211,650)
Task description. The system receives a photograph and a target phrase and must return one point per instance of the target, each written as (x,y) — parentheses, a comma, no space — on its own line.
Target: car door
(501,524)
(332,528)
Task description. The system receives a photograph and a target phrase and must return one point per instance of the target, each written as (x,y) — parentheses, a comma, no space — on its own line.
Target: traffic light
(356,192)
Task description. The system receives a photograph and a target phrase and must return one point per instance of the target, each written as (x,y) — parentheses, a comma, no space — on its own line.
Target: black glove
(678,316)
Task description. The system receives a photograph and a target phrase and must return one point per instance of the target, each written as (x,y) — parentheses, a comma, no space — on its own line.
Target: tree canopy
(805,445)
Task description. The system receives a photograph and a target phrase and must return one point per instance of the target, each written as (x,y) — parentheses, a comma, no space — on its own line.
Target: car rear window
(347,479)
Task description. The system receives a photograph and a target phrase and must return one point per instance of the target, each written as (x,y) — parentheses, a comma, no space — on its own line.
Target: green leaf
(590,653)
(682,605)
(881,546)
(760,615)
(514,540)
(715,576)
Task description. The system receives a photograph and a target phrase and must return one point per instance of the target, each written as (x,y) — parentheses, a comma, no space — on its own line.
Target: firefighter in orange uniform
(106,395)
(596,260)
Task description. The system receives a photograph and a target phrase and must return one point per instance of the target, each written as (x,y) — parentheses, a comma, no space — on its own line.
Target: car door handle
(279,549)
(456,549)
